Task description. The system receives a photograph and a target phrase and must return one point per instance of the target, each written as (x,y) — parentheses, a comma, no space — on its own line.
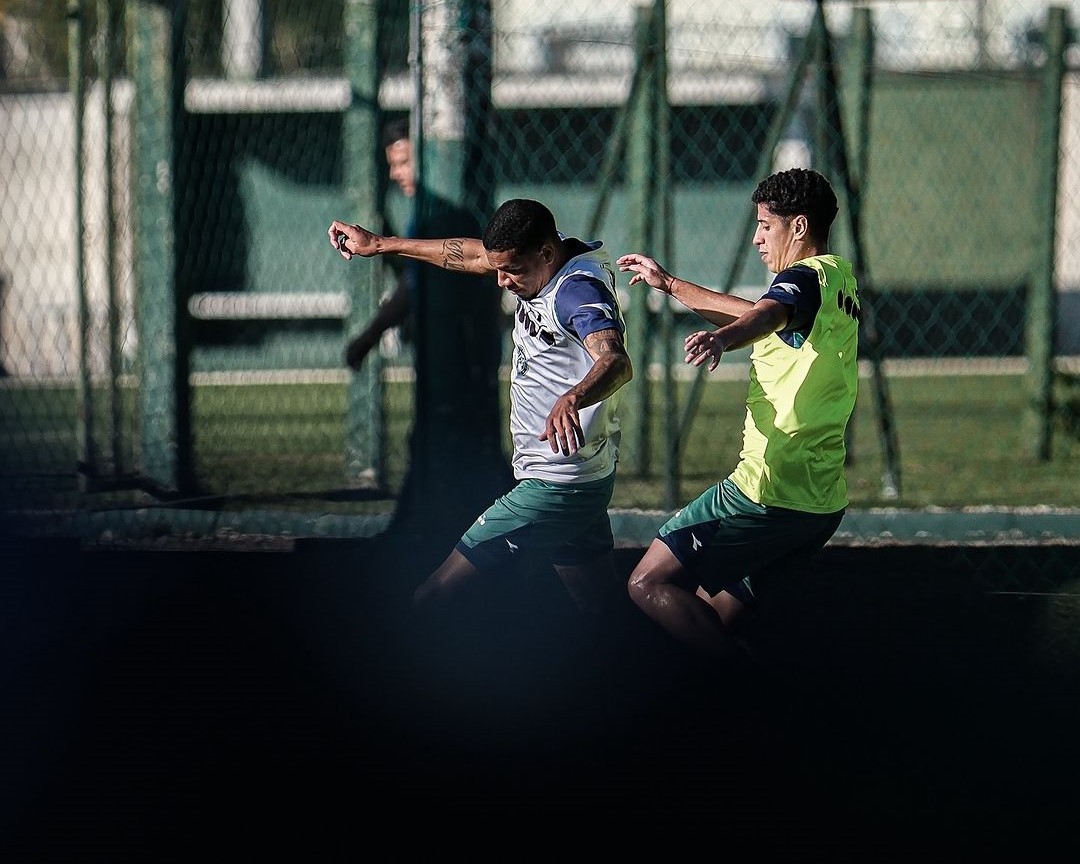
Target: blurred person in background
(467,360)
(394,309)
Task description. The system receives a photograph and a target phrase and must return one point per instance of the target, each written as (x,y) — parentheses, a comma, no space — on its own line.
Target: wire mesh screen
(955,140)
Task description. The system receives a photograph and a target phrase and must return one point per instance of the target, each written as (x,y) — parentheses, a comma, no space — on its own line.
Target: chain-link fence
(173,321)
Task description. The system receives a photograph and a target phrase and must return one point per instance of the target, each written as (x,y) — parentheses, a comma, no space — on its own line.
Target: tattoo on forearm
(605,342)
(454,254)
(605,346)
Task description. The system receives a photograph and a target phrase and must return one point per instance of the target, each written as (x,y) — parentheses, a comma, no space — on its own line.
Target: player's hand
(352,240)
(702,346)
(646,270)
(563,427)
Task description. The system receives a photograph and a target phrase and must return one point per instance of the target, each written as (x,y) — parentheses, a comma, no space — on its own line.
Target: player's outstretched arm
(714,306)
(762,318)
(462,254)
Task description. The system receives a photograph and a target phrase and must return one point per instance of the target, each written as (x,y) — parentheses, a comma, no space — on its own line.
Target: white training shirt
(550,357)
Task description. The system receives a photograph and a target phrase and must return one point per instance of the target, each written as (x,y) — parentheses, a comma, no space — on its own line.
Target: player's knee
(650,577)
(638,587)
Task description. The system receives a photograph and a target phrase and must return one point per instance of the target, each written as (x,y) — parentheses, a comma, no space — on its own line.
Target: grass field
(959,440)
(960,444)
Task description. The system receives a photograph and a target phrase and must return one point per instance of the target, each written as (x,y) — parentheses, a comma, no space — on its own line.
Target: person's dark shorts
(566,523)
(723,538)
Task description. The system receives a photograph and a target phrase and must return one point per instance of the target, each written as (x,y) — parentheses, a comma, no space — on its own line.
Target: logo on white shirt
(602,307)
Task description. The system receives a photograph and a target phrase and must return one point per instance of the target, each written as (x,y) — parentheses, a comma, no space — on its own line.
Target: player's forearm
(760,320)
(612,370)
(460,254)
(715,307)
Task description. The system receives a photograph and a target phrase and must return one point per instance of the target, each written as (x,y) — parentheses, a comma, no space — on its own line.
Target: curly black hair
(519,225)
(799,191)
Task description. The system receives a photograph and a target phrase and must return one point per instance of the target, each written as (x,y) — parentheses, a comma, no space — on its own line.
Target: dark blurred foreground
(183,704)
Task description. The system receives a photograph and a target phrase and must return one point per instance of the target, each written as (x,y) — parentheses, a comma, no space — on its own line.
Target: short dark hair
(799,191)
(394,131)
(520,225)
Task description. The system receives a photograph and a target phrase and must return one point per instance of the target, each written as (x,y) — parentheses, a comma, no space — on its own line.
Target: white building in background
(38,285)
(754,33)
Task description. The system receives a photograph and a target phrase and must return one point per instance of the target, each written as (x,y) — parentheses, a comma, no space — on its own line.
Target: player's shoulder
(583,286)
(800,276)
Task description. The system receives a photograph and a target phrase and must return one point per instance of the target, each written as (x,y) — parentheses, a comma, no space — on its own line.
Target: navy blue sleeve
(585,306)
(797,287)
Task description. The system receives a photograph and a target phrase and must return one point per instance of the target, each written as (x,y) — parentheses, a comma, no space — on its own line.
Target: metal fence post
(1042,298)
(158,71)
(78,42)
(362,164)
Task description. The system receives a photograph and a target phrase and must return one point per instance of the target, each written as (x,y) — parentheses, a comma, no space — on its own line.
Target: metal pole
(1042,298)
(605,182)
(84,394)
(666,230)
(164,388)
(107,29)
(362,167)
(641,183)
(849,188)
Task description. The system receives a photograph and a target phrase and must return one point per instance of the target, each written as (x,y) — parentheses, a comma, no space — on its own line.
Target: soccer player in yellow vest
(786,496)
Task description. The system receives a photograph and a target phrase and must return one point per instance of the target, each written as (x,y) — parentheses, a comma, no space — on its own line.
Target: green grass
(960,443)
(959,439)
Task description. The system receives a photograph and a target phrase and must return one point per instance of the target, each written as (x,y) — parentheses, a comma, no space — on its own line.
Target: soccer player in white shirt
(568,364)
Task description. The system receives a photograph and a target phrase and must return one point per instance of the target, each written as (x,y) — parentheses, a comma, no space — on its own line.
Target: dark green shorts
(565,523)
(723,538)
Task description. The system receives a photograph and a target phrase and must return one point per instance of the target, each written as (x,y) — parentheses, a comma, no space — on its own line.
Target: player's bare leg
(594,586)
(451,581)
(727,606)
(661,588)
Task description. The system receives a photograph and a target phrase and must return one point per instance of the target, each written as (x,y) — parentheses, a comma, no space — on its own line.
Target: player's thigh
(454,578)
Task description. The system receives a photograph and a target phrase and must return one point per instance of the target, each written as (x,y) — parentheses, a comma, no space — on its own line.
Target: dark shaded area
(160,704)
(916,322)
(299,152)
(568,143)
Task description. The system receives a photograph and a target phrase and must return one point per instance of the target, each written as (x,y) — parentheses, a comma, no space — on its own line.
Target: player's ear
(800,227)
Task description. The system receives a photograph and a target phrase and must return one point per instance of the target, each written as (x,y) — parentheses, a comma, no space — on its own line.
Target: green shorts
(722,538)
(565,523)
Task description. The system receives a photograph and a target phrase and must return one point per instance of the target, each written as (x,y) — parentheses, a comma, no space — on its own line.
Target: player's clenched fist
(350,240)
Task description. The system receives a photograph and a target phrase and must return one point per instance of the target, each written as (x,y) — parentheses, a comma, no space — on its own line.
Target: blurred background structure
(173,321)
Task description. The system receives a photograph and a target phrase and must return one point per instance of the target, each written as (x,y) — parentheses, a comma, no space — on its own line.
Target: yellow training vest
(799,403)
